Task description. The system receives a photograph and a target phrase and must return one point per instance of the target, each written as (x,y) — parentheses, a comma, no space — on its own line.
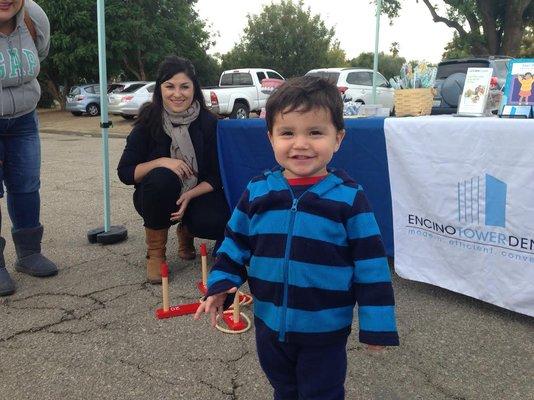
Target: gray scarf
(176,126)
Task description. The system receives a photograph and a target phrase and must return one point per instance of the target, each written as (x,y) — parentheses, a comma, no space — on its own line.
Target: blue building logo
(482,198)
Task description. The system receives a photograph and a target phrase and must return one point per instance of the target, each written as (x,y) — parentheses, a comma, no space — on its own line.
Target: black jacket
(141,147)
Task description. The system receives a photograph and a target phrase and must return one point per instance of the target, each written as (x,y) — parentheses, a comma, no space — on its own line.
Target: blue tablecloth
(244,152)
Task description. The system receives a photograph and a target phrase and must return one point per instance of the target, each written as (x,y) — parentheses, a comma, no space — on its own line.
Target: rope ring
(226,330)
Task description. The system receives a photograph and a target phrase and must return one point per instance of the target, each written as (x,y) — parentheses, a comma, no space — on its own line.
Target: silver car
(131,100)
(84,99)
(357,83)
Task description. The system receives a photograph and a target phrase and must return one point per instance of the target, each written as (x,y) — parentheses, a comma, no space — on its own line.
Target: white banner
(463,205)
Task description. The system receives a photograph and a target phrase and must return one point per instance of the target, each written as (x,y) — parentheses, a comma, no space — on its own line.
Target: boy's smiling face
(304,142)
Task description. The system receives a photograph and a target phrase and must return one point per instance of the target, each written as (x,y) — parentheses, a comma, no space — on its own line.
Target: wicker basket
(413,102)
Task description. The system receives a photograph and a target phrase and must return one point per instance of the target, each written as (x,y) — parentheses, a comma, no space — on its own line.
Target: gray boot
(29,258)
(7,286)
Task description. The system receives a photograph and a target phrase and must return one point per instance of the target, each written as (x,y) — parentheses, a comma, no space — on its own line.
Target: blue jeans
(20,167)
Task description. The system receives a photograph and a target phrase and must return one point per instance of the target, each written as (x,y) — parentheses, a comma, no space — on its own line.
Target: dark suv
(450,79)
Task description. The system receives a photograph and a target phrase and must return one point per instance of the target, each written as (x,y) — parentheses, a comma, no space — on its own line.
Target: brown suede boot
(186,246)
(156,242)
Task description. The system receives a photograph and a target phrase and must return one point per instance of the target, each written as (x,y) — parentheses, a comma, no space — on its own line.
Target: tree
(495,27)
(139,34)
(394,49)
(73,56)
(288,38)
(527,44)
(388,65)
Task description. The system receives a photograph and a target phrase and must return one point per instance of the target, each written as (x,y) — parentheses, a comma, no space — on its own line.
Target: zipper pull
(294,206)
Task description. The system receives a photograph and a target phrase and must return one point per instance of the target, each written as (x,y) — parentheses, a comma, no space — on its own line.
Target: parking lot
(57,121)
(91,333)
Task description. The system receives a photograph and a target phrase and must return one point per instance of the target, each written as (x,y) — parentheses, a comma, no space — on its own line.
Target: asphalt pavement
(90,332)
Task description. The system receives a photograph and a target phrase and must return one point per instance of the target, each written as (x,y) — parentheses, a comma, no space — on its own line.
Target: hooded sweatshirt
(20,60)
(311,259)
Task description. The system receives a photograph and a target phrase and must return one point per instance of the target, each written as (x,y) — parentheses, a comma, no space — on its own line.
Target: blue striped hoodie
(311,260)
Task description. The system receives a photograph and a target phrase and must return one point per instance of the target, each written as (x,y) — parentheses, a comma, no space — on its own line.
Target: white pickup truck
(240,91)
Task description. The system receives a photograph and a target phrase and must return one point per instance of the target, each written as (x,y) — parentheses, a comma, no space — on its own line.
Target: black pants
(303,372)
(155,199)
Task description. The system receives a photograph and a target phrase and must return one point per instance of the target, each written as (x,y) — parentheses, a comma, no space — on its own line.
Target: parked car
(357,84)
(84,99)
(239,92)
(129,102)
(450,79)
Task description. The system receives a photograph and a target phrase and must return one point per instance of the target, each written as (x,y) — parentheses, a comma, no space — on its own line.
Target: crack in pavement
(139,368)
(68,314)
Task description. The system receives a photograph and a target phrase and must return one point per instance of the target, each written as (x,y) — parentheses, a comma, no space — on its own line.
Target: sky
(419,37)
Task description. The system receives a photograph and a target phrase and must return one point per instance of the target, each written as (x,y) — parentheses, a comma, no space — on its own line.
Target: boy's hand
(375,349)
(213,305)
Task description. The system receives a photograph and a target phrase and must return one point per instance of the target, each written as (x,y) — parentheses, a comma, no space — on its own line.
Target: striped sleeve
(372,279)
(229,269)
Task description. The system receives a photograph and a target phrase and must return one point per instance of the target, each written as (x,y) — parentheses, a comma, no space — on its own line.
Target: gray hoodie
(20,62)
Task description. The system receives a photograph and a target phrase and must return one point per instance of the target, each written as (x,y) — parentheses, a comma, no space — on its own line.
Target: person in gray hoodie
(24,42)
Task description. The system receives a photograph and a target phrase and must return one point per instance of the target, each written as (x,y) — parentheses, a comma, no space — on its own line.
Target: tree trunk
(489,25)
(54,89)
(513,26)
(141,66)
(130,68)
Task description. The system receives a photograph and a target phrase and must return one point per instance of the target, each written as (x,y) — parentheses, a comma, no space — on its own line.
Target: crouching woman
(171,159)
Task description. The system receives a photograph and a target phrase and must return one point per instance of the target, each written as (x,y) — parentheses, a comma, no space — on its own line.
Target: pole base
(116,234)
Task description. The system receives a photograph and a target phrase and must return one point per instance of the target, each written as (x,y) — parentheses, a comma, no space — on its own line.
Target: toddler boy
(313,248)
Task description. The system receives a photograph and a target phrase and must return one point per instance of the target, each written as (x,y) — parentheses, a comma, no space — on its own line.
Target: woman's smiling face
(177,93)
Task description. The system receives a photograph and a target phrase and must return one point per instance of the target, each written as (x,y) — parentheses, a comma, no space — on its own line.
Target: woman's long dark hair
(150,116)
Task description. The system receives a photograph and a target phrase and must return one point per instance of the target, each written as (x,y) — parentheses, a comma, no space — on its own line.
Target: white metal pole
(377,35)
(104,123)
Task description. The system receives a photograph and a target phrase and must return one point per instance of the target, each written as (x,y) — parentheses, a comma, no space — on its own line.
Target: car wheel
(240,111)
(76,113)
(93,109)
(126,116)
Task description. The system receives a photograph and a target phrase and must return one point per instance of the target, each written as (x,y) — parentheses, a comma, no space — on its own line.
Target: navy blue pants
(20,167)
(303,372)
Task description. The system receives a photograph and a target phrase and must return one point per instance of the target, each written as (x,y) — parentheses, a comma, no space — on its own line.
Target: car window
(75,91)
(96,89)
(381,81)
(226,80)
(274,75)
(242,79)
(332,77)
(118,89)
(236,78)
(133,87)
(115,87)
(89,89)
(444,70)
(360,78)
(150,88)
(261,76)
(315,73)
(500,69)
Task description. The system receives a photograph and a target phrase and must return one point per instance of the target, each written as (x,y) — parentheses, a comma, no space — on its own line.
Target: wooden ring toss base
(174,311)
(235,321)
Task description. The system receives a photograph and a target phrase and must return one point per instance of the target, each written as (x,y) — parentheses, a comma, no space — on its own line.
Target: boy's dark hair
(303,94)
(151,115)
